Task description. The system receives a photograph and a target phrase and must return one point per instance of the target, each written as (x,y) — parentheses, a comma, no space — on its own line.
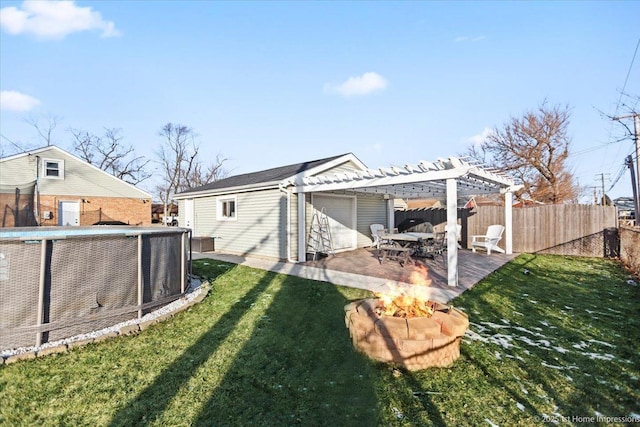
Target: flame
(414,302)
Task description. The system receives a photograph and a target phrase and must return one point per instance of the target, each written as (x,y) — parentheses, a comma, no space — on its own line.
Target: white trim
(302,228)
(230,190)
(329,165)
(408,181)
(220,201)
(43,164)
(508,222)
(452,239)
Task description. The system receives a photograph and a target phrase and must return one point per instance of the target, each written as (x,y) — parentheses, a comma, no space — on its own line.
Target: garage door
(341,214)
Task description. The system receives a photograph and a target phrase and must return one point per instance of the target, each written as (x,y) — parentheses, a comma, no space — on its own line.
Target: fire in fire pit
(407,329)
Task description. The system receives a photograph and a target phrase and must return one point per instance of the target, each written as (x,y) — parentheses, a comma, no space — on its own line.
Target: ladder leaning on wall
(319,240)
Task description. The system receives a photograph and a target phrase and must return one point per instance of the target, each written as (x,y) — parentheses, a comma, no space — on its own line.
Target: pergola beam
(444,178)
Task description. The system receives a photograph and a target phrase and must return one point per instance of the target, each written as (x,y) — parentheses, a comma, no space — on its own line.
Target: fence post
(140,281)
(182,264)
(43,275)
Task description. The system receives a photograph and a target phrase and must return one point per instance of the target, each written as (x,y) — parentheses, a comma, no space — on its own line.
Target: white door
(341,212)
(69,213)
(188,214)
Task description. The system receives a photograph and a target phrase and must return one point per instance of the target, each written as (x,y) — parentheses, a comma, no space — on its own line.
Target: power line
(22,150)
(624,86)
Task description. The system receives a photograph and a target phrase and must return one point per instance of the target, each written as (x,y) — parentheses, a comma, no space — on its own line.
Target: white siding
(80,178)
(260,227)
(344,167)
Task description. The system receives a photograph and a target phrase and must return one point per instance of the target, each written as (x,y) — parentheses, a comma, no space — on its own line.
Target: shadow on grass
(309,375)
(572,332)
(149,405)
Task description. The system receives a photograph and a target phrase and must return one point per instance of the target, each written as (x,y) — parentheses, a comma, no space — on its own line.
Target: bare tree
(109,153)
(181,167)
(45,130)
(533,149)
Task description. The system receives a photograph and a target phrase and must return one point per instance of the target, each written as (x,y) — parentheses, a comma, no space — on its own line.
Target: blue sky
(272,83)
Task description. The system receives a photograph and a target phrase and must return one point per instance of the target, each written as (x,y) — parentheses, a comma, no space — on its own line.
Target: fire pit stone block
(415,343)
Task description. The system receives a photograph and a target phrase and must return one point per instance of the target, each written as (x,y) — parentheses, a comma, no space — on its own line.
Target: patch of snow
(597,356)
(533,302)
(560,349)
(568,308)
(526,331)
(602,343)
(504,341)
(491,423)
(581,346)
(495,325)
(559,368)
(520,406)
(518,313)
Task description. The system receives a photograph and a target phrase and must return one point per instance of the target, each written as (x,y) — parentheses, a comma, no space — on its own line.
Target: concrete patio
(361,269)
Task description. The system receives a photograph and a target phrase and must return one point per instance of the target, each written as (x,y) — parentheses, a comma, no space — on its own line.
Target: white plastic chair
(376,229)
(489,241)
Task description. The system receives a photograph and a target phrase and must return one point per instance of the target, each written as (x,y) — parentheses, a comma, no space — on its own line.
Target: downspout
(37,192)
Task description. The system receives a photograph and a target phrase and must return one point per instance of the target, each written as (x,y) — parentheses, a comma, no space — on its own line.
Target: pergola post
(452,239)
(391,219)
(302,229)
(508,222)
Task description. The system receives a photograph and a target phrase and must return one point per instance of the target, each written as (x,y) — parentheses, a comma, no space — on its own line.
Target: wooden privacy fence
(583,230)
(552,229)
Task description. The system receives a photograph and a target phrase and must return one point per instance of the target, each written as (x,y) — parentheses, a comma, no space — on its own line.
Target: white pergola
(448,178)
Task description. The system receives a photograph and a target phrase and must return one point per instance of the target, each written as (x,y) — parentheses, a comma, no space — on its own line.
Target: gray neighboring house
(258,214)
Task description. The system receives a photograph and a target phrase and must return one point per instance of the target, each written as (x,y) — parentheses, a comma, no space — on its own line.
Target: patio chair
(376,230)
(489,241)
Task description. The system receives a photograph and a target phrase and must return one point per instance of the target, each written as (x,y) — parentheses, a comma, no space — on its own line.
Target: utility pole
(602,176)
(636,201)
(636,137)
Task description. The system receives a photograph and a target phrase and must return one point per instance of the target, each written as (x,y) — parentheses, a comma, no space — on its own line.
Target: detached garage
(270,213)
(257,214)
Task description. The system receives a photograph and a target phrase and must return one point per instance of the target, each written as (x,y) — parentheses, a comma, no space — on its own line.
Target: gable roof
(120,183)
(269,176)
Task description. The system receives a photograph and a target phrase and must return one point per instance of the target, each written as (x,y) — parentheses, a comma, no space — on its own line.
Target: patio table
(407,239)
(401,246)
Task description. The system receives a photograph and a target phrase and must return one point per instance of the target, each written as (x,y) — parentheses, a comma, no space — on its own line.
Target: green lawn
(268,349)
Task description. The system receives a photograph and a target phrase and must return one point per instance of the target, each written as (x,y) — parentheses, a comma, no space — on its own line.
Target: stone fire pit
(413,342)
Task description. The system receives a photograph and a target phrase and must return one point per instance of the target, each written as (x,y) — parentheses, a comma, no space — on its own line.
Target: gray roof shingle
(269,175)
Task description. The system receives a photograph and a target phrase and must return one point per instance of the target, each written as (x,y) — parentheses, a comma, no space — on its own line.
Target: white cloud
(53,19)
(11,100)
(469,39)
(360,85)
(481,137)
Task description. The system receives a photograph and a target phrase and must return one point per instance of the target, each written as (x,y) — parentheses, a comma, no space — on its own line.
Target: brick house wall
(131,211)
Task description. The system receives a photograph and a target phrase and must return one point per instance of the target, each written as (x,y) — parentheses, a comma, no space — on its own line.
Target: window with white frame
(53,169)
(227,208)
